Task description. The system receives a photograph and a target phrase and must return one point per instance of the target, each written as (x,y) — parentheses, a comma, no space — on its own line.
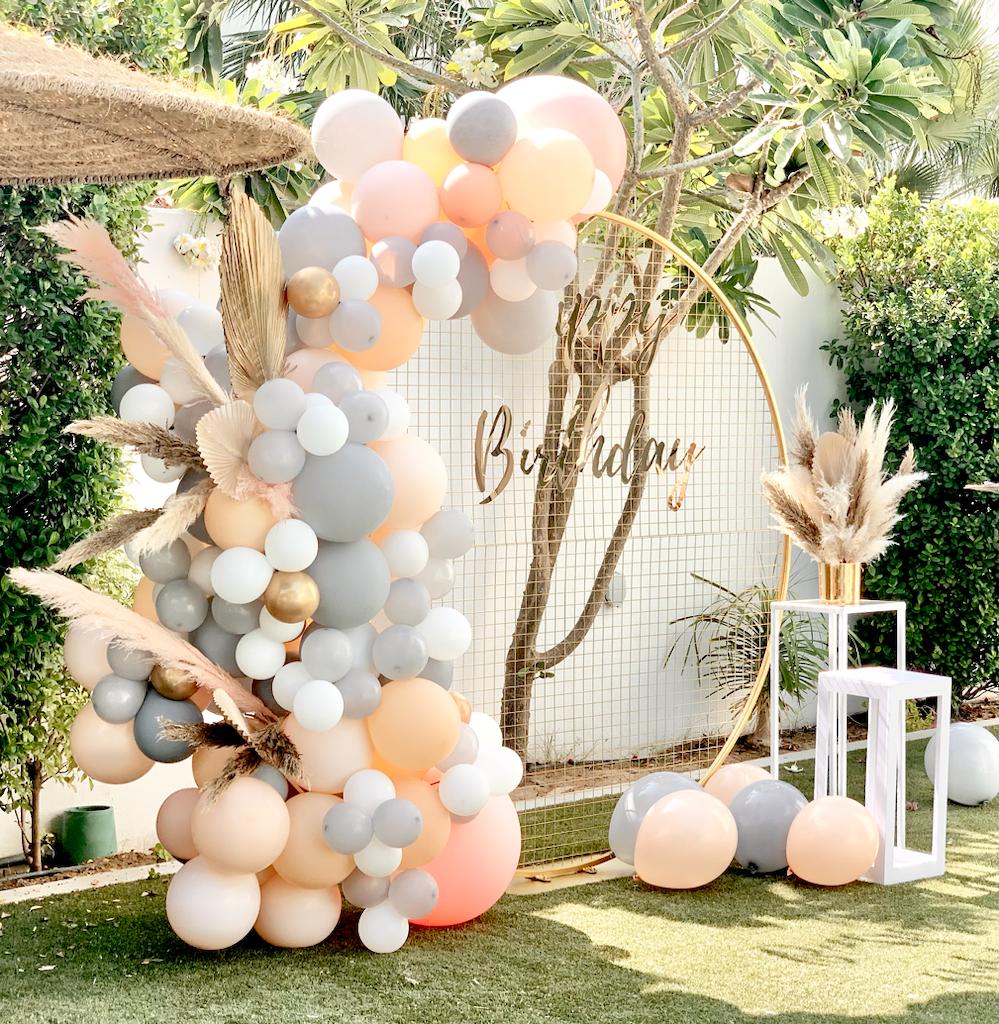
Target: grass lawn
(742,950)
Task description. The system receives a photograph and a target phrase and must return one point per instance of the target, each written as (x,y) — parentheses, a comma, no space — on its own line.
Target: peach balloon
(238,524)
(832,841)
(173,823)
(402,332)
(306,860)
(393,771)
(416,725)
(426,145)
(293,917)
(330,758)
(686,840)
(333,194)
(471,195)
(419,477)
(142,348)
(207,762)
(547,175)
(477,864)
(436,822)
(730,778)
(85,653)
(209,907)
(395,198)
(463,705)
(244,828)
(105,751)
(142,600)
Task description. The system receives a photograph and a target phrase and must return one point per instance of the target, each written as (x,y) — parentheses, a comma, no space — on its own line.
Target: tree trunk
(37,778)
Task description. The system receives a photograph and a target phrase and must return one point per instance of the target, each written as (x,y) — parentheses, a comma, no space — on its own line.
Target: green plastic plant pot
(88,833)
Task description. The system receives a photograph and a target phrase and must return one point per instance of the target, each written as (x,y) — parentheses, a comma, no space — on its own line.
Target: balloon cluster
(681,836)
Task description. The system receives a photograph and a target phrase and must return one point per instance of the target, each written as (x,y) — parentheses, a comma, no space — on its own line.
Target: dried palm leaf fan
(66,116)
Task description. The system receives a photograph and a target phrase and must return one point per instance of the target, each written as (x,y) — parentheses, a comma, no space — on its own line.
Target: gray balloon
(414,893)
(448,533)
(217,364)
(336,380)
(361,692)
(326,653)
(397,822)
(763,813)
(634,805)
(128,377)
(315,236)
(399,653)
(264,690)
(155,711)
(347,828)
(481,127)
(346,495)
(466,750)
(129,663)
(353,582)
(292,342)
(355,325)
(276,456)
(236,618)
(364,891)
(393,256)
(181,606)
(439,672)
(269,774)
(367,415)
(516,328)
(167,564)
(187,418)
(445,231)
(551,265)
(190,479)
(408,602)
(473,276)
(117,699)
(216,643)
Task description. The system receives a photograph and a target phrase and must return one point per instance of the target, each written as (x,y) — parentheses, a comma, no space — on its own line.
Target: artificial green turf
(742,951)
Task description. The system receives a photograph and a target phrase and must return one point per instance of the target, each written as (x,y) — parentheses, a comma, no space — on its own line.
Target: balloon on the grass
(973,769)
(832,841)
(763,813)
(730,779)
(210,907)
(634,804)
(294,917)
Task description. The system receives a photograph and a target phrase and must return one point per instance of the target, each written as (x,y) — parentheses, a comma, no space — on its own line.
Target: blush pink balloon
(105,751)
(395,198)
(249,809)
(730,778)
(173,823)
(420,480)
(477,864)
(551,101)
(294,917)
(471,195)
(209,907)
(510,235)
(330,758)
(832,841)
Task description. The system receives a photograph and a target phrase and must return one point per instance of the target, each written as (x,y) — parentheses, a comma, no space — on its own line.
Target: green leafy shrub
(921,326)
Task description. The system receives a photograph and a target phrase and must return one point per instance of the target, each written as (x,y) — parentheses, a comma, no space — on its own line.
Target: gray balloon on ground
(315,236)
(414,893)
(326,653)
(634,805)
(361,693)
(367,416)
(347,828)
(516,328)
(397,822)
(131,664)
(346,495)
(146,727)
(473,277)
(364,891)
(399,652)
(181,606)
(448,533)
(168,563)
(763,813)
(216,643)
(117,699)
(439,672)
(353,582)
(973,763)
(276,456)
(408,602)
(481,127)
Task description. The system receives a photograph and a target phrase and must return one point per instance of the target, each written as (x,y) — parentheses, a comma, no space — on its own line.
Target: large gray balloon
(327,654)
(448,533)
(181,606)
(117,699)
(516,328)
(347,828)
(364,891)
(216,643)
(346,495)
(315,236)
(353,582)
(439,672)
(763,813)
(131,664)
(633,806)
(169,563)
(149,721)
(128,377)
(367,415)
(481,127)
(408,602)
(236,618)
(397,822)
(473,276)
(361,693)
(399,652)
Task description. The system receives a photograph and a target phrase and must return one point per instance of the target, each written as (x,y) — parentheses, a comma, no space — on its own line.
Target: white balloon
(973,764)
(464,790)
(288,680)
(177,383)
(377,859)
(156,469)
(318,705)
(147,403)
(291,545)
(283,632)
(322,430)
(488,731)
(362,640)
(200,573)
(437,576)
(240,575)
(555,231)
(398,411)
(437,302)
(258,656)
(357,277)
(202,323)
(406,553)
(314,332)
(502,767)
(368,789)
(382,929)
(353,130)
(436,264)
(446,632)
(315,400)
(601,194)
(510,280)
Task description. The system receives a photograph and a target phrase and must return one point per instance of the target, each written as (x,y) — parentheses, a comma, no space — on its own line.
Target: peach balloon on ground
(426,145)
(244,829)
(207,762)
(547,175)
(395,198)
(400,337)
(142,600)
(209,907)
(471,195)
(173,823)
(477,864)
(306,860)
(730,778)
(419,477)
(105,751)
(416,725)
(686,840)
(237,524)
(832,841)
(293,917)
(436,822)
(86,655)
(330,758)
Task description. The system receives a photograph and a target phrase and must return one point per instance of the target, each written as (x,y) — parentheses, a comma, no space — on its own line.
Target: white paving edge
(84,883)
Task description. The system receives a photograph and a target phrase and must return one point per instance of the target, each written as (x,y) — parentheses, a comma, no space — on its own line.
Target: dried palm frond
(253,301)
(113,621)
(112,535)
(145,438)
(224,437)
(91,249)
(177,514)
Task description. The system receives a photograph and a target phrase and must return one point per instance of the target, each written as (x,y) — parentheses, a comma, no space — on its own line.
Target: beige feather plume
(177,514)
(112,535)
(145,438)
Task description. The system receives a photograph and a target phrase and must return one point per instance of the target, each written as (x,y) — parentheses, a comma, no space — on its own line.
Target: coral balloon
(477,864)
(471,195)
(730,778)
(173,823)
(330,758)
(353,130)
(426,145)
(397,198)
(248,809)
(416,725)
(548,175)
(293,917)
(436,822)
(238,524)
(307,861)
(419,477)
(832,841)
(686,840)
(209,907)
(106,752)
(401,333)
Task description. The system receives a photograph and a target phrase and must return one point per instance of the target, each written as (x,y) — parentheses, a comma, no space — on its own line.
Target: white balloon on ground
(318,705)
(382,929)
(973,764)
(240,575)
(291,545)
(357,277)
(209,907)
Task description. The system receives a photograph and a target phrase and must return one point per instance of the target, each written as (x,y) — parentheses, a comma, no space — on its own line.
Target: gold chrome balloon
(313,292)
(172,683)
(291,596)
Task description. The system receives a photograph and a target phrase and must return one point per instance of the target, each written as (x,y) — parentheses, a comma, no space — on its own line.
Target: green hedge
(921,325)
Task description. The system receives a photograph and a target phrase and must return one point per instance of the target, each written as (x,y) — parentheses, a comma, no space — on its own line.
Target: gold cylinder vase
(839,582)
